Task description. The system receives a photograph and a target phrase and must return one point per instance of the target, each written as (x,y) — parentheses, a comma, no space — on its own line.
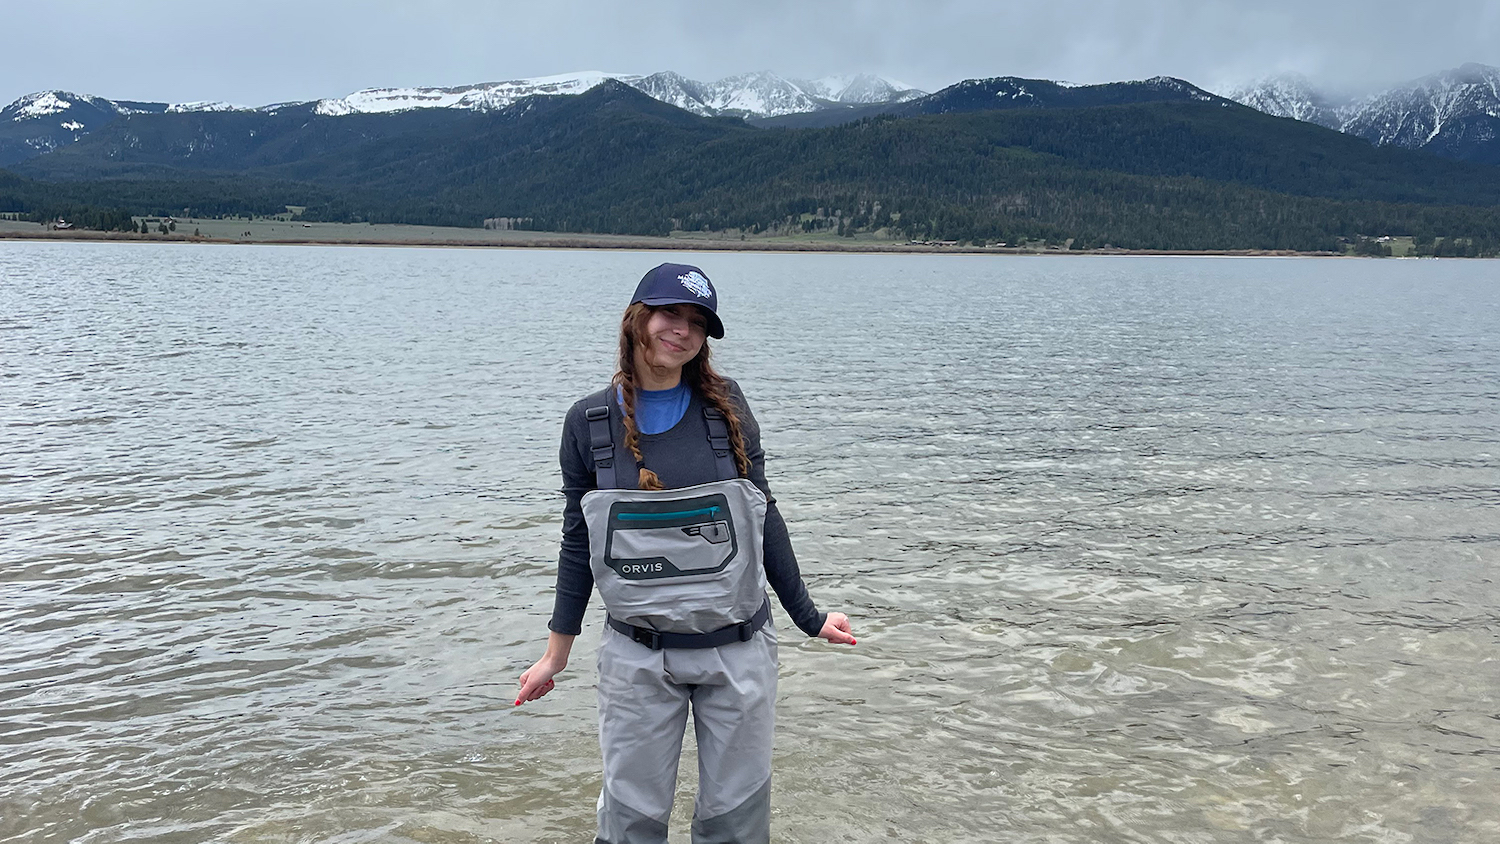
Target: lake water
(1137,549)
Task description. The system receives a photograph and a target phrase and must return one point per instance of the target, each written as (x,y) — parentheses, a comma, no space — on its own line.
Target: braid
(624,382)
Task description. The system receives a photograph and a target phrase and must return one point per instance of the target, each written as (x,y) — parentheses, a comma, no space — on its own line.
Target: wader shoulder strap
(602,444)
(718,440)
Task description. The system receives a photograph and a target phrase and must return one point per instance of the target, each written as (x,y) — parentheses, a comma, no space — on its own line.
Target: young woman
(668,513)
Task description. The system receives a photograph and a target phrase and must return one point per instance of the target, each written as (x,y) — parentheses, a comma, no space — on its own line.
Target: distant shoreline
(426,237)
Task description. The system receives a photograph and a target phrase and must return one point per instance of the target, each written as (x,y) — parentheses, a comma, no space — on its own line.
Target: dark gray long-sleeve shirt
(680,457)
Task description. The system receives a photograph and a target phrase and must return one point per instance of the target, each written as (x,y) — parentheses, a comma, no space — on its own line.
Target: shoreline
(544,240)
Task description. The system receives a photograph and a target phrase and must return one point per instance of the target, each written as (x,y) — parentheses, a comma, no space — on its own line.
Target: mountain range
(1154,164)
(1454,113)
(38,123)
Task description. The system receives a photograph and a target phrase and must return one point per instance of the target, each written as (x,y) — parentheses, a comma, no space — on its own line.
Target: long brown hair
(700,376)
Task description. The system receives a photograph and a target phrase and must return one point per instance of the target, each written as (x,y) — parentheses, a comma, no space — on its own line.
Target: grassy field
(292,231)
(286,230)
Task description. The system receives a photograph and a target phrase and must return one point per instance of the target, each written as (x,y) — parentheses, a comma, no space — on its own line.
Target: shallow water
(1138,550)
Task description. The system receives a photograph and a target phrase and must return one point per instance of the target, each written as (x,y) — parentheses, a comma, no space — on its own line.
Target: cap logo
(696,284)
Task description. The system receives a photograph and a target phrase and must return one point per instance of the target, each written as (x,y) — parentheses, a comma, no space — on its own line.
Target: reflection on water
(1188,550)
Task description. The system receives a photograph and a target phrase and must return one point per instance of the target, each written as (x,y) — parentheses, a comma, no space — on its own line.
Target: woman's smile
(677,334)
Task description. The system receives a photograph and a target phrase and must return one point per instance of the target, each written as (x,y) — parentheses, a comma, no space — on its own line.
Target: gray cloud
(275,50)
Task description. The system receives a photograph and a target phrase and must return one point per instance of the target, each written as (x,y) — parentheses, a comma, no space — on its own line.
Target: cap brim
(715,325)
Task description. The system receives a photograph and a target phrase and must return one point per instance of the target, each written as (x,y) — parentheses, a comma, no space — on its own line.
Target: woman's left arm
(782,571)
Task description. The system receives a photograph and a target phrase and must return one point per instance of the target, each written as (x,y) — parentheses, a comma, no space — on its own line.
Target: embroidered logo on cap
(697,284)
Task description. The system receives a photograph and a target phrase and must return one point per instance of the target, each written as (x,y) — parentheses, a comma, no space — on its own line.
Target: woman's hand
(537,680)
(836,629)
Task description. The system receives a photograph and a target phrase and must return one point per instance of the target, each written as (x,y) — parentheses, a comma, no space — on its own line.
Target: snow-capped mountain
(1289,95)
(760,94)
(46,120)
(181,108)
(1435,109)
(674,89)
(1002,93)
(491,96)
(860,89)
(1454,113)
(765,94)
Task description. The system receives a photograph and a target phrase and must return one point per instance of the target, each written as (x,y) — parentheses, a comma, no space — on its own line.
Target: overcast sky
(253,52)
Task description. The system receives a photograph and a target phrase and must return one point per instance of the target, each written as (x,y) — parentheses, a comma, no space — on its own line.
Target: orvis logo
(697,284)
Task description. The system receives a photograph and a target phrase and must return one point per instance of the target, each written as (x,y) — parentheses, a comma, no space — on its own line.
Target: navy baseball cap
(671,284)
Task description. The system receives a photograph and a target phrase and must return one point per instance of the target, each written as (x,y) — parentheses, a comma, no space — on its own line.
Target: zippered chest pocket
(649,540)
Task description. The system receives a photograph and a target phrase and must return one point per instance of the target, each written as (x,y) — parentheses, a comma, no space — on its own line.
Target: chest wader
(682,576)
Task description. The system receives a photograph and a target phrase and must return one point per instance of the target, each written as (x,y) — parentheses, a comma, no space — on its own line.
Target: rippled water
(1138,550)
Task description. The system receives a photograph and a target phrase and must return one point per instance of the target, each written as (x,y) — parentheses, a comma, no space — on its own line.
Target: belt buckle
(747,630)
(648,637)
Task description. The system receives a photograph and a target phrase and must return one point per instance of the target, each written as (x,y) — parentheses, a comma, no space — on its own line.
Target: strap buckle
(718,432)
(646,636)
(747,630)
(600,442)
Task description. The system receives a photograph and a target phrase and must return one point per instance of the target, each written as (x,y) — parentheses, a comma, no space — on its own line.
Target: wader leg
(734,720)
(642,715)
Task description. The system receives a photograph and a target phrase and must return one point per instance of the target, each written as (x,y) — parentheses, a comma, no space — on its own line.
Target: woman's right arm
(575,580)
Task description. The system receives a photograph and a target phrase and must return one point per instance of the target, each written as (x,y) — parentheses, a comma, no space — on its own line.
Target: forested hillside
(1189,173)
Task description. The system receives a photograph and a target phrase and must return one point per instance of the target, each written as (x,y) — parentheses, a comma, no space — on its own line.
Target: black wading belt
(602,444)
(656,640)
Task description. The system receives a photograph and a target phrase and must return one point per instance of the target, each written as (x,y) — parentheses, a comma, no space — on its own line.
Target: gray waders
(681,575)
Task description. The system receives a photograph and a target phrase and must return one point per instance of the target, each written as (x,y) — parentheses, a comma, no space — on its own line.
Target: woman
(669,515)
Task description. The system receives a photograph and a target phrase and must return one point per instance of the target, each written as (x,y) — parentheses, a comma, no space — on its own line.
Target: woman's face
(674,335)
